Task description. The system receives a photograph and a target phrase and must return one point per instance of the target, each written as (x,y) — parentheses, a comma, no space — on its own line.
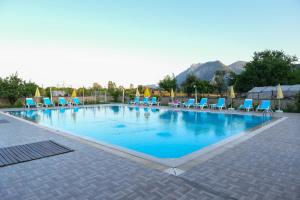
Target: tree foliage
(192,81)
(219,81)
(269,67)
(168,83)
(294,77)
(13,87)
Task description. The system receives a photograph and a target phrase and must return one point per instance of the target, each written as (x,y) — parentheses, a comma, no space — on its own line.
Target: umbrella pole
(51,94)
(83,96)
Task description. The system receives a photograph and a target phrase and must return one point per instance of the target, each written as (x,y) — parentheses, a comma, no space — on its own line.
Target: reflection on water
(115,109)
(164,134)
(169,116)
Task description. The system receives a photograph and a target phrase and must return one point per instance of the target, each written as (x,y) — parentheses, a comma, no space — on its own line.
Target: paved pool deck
(265,166)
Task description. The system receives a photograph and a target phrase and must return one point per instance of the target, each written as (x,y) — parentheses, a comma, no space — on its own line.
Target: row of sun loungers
(265,105)
(145,101)
(29,102)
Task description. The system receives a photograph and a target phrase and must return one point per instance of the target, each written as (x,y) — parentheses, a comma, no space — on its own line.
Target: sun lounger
(247,105)
(154,101)
(47,102)
(145,101)
(29,102)
(189,103)
(76,101)
(265,105)
(220,104)
(202,104)
(62,101)
(136,101)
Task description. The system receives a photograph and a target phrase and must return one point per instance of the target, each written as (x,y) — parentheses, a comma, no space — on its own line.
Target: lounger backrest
(136,99)
(30,102)
(62,101)
(154,99)
(146,99)
(47,101)
(76,100)
(191,101)
(248,103)
(265,104)
(203,101)
(221,102)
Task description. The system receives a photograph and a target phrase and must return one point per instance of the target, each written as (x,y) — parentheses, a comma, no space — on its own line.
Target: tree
(96,86)
(13,88)
(294,77)
(29,89)
(111,85)
(219,81)
(269,67)
(191,81)
(168,83)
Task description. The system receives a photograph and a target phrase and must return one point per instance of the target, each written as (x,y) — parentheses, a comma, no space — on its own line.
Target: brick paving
(267,166)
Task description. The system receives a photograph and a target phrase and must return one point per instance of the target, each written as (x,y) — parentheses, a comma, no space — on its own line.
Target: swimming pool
(158,132)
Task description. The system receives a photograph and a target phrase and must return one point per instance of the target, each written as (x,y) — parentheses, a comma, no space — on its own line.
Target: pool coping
(183,163)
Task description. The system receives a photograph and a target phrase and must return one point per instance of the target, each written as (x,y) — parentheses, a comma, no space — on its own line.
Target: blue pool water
(162,133)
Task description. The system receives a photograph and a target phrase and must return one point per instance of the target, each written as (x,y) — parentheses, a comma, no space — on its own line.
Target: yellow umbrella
(37,93)
(172,93)
(147,93)
(279,92)
(137,93)
(231,92)
(279,96)
(74,94)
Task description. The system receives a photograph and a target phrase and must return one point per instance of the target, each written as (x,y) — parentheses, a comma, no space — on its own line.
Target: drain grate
(3,121)
(33,151)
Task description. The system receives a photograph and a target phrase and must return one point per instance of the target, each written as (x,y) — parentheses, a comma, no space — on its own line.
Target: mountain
(297,65)
(203,71)
(238,66)
(206,71)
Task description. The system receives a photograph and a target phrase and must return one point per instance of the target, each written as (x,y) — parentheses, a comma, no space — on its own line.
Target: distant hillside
(237,67)
(206,71)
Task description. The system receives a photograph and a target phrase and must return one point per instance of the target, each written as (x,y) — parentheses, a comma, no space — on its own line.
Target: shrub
(19,103)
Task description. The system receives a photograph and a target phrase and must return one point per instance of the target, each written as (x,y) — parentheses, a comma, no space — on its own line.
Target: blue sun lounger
(145,101)
(47,102)
(76,101)
(247,105)
(189,103)
(136,101)
(62,101)
(154,101)
(220,104)
(29,102)
(265,105)
(202,104)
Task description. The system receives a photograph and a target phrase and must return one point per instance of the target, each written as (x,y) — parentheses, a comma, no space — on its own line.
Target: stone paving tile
(264,167)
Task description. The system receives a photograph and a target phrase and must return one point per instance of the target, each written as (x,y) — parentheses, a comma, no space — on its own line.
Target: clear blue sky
(83,41)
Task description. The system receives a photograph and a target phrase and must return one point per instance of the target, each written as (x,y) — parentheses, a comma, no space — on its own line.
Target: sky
(79,42)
